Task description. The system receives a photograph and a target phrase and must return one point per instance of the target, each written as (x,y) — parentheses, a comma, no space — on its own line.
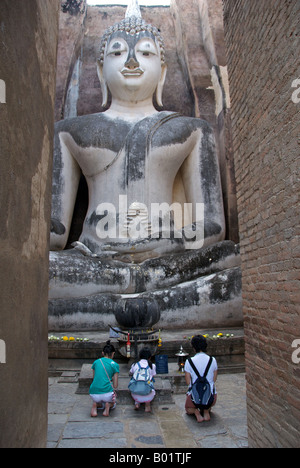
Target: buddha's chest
(149,150)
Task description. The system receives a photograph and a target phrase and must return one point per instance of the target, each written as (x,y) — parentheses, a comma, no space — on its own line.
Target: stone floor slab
(70,424)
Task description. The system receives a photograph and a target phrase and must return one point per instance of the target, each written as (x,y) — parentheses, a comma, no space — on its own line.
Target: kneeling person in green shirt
(105,383)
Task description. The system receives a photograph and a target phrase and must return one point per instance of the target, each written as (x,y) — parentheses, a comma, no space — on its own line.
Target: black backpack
(201,393)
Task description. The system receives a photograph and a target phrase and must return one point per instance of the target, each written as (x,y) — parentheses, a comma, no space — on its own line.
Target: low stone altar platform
(70,356)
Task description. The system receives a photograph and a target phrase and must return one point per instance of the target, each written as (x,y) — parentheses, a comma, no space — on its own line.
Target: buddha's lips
(135,72)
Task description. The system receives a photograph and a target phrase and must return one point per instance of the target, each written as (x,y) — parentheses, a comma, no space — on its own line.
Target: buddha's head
(132,61)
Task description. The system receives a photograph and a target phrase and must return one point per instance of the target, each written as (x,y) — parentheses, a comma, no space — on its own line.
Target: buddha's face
(132,66)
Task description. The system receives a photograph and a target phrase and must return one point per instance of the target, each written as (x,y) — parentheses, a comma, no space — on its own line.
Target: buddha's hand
(129,246)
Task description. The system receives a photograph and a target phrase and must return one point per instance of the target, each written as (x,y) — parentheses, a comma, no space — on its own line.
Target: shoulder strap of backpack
(196,370)
(194,367)
(208,366)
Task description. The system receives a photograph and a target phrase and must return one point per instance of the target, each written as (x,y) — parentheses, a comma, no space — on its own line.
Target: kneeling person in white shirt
(200,361)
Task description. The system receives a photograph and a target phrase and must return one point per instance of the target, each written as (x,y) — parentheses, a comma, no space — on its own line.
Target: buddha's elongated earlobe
(160,86)
(103,84)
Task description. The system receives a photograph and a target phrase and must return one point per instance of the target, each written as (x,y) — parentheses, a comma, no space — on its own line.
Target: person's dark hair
(199,344)
(108,349)
(145,353)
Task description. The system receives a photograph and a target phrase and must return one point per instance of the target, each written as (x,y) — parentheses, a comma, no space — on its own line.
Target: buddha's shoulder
(93,129)
(178,128)
(187,121)
(91,121)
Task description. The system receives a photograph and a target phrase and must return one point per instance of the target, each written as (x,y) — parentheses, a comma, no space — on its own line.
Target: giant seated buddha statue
(152,248)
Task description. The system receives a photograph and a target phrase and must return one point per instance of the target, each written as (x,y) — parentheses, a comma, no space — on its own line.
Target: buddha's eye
(146,48)
(117,54)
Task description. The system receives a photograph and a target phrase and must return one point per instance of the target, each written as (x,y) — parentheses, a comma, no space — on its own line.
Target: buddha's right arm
(66,176)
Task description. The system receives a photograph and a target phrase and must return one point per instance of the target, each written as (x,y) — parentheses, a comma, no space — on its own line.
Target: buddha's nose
(132,63)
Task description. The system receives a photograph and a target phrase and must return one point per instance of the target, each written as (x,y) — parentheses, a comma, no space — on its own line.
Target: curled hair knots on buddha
(132,25)
(108,349)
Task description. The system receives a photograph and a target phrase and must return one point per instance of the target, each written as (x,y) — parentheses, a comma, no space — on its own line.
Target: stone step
(68,377)
(163,388)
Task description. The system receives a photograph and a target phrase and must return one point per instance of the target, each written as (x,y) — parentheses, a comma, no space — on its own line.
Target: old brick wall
(263,53)
(28,44)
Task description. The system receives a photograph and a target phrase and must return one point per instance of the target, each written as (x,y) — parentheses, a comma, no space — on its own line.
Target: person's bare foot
(147,408)
(196,413)
(94,412)
(206,415)
(199,418)
(137,406)
(106,411)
